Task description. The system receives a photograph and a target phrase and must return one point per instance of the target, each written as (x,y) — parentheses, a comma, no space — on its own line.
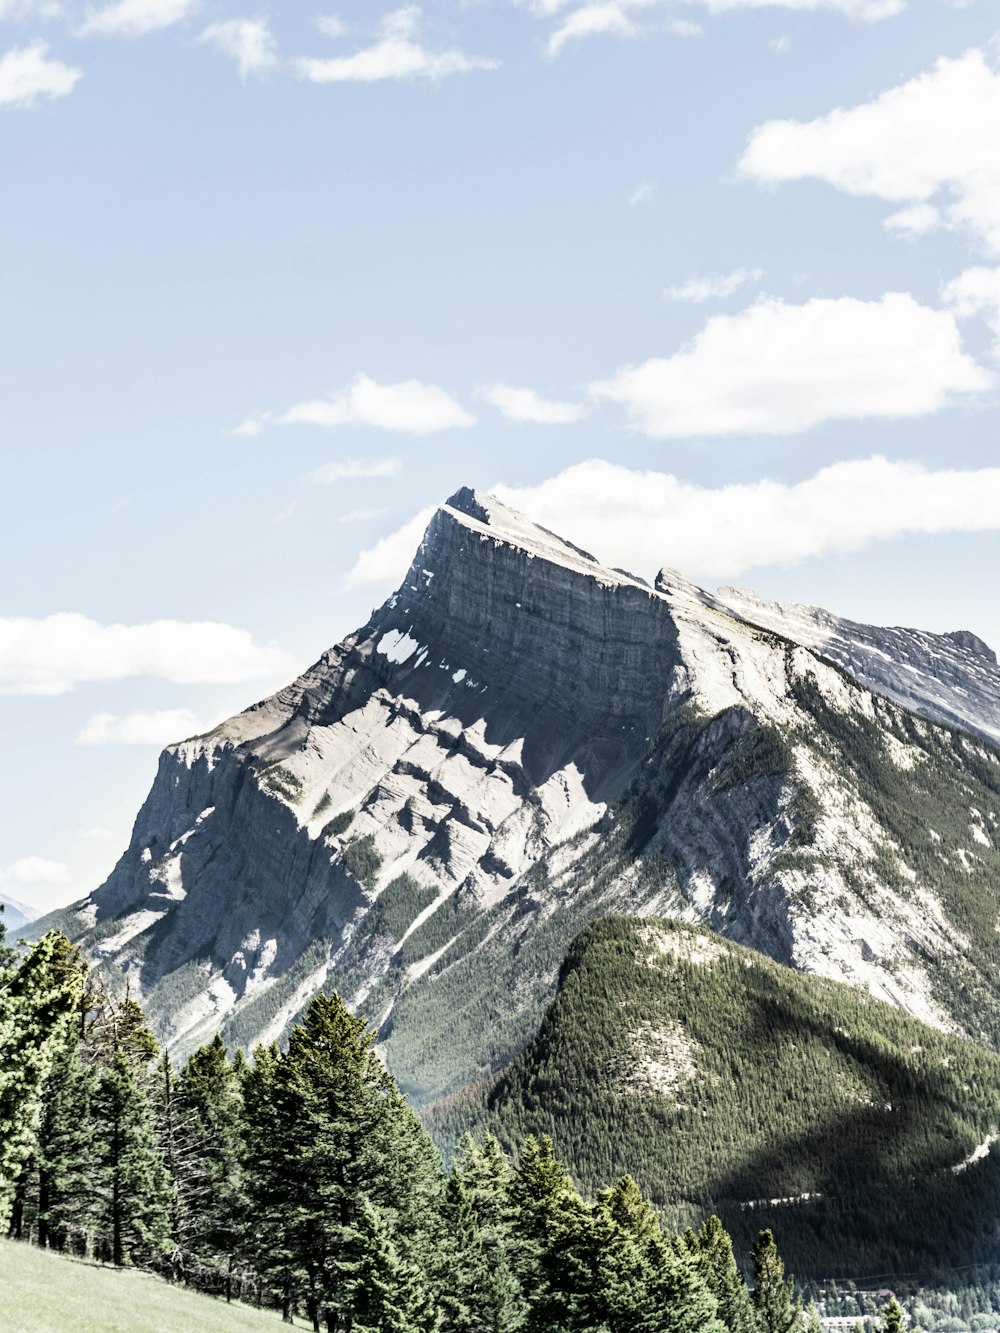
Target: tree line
(302,1180)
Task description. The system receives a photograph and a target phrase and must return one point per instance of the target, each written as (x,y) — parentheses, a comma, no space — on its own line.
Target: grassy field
(42,1292)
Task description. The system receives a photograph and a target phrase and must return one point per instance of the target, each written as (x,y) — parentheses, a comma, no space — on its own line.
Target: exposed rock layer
(518,741)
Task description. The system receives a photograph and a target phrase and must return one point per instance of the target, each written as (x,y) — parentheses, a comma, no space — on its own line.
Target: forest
(301,1180)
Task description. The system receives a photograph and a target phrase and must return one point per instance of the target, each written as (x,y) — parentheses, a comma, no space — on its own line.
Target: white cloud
(30,9)
(143,727)
(52,655)
(622,18)
(701,287)
(253,425)
(250,42)
(780,46)
(397,54)
(524,405)
(778,369)
(641,194)
(594,20)
(136,18)
(350,469)
(35,871)
(385,563)
(928,145)
(913,221)
(977,292)
(27,74)
(642,520)
(331,26)
(865,11)
(410,407)
(363,515)
(99,834)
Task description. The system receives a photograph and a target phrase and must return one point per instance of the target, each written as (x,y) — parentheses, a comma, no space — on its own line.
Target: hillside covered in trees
(302,1180)
(727,1083)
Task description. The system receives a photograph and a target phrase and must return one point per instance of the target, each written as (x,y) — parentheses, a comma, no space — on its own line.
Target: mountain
(727,1083)
(520,741)
(15,914)
(950,678)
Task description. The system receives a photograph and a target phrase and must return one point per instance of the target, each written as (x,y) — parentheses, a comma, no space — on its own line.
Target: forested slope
(723,1081)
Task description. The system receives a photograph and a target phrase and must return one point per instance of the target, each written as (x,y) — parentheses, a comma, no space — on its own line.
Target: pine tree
(132,1186)
(892,1317)
(478,1289)
(327,1131)
(678,1299)
(38,1001)
(384,1294)
(714,1250)
(64,1159)
(204,1123)
(774,1295)
(553,1242)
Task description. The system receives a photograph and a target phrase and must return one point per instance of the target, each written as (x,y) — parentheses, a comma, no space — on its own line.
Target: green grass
(41,1292)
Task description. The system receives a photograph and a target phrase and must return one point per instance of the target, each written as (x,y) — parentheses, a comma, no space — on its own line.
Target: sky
(711,284)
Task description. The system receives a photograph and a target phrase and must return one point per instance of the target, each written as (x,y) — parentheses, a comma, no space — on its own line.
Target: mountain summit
(521,740)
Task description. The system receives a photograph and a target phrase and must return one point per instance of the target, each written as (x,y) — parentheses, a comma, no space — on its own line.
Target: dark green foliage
(305,1181)
(65,1153)
(773,1295)
(719,1079)
(281,780)
(205,1122)
(338,824)
(39,998)
(131,1185)
(713,1249)
(346,1137)
(362,859)
(892,1318)
(384,1294)
(397,906)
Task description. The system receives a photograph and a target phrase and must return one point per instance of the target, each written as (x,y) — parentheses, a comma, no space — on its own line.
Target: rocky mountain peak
(520,739)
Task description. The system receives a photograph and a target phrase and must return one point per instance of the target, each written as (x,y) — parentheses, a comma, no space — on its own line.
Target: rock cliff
(521,740)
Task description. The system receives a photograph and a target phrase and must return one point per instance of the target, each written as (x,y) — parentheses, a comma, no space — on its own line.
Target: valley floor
(42,1292)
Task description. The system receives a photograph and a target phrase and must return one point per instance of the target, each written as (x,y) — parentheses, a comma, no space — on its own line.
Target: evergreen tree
(64,1158)
(132,1186)
(385,1294)
(892,1318)
(38,1000)
(551,1241)
(202,1124)
(774,1295)
(677,1299)
(329,1131)
(623,1226)
(478,1289)
(713,1249)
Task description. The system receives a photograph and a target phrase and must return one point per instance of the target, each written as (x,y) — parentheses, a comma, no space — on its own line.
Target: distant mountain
(727,1083)
(15,914)
(522,740)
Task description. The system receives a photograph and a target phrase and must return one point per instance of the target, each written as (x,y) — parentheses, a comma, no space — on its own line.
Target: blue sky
(708,284)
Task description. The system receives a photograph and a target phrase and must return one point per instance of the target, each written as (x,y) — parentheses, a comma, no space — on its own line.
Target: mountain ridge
(519,740)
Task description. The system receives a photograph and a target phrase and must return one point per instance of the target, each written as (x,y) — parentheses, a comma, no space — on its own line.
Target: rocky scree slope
(726,1083)
(521,740)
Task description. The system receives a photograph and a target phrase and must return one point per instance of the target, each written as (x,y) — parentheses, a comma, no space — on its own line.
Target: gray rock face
(518,741)
(951,678)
